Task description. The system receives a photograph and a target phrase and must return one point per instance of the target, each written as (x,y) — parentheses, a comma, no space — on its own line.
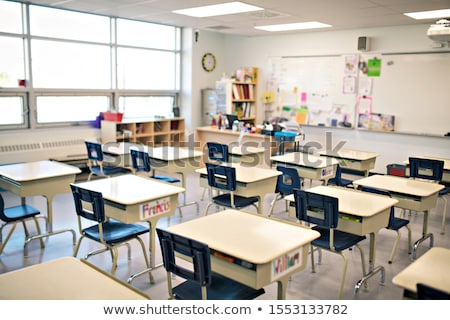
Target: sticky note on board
(302,116)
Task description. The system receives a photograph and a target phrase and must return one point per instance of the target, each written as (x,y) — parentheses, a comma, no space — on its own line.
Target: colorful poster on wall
(374,67)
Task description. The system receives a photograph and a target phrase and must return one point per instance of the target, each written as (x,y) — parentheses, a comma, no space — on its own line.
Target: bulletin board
(415,89)
(325,85)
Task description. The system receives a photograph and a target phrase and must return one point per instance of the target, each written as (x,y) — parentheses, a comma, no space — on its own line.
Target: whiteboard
(415,88)
(319,80)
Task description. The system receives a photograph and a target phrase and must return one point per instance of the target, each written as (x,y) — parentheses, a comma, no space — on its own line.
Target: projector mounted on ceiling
(440,31)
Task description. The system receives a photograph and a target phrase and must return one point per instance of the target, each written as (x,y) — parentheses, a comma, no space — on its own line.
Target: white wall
(392,147)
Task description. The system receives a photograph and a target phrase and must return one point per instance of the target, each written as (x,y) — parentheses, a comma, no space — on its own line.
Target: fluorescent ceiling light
(218,9)
(293,26)
(444,13)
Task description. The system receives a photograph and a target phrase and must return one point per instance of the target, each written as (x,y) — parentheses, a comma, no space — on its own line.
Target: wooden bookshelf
(150,132)
(239,96)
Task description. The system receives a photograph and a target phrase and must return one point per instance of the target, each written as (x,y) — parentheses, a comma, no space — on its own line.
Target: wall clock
(209,62)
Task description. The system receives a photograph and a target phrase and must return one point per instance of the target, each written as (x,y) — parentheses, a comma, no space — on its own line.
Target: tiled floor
(322,285)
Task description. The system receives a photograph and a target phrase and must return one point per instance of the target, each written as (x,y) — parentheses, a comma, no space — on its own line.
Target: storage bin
(113,116)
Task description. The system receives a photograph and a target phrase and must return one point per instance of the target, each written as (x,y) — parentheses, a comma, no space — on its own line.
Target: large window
(70,66)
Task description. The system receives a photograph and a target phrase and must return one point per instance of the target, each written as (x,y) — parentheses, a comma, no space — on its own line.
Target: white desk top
(400,185)
(131,189)
(245,150)
(431,269)
(64,279)
(350,154)
(305,160)
(172,153)
(29,171)
(446,161)
(120,148)
(253,238)
(247,174)
(354,202)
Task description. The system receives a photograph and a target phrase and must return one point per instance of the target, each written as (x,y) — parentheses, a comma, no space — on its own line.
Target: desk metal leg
(151,240)
(185,204)
(50,231)
(425,235)
(372,269)
(281,288)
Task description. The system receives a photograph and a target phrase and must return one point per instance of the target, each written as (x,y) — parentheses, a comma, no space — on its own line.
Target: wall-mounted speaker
(363,43)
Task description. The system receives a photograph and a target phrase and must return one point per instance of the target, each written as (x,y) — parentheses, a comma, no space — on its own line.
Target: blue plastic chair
(108,232)
(286,183)
(338,180)
(201,283)
(96,163)
(425,292)
(13,215)
(322,212)
(218,152)
(223,179)
(141,162)
(394,223)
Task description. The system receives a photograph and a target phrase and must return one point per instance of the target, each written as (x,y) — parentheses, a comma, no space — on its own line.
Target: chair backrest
(317,209)
(338,176)
(92,199)
(429,169)
(199,252)
(2,209)
(218,152)
(140,160)
(94,151)
(287,181)
(384,193)
(425,292)
(221,177)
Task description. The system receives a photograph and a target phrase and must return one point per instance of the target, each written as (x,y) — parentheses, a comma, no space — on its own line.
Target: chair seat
(342,240)
(397,223)
(109,170)
(19,212)
(239,201)
(166,179)
(221,288)
(115,232)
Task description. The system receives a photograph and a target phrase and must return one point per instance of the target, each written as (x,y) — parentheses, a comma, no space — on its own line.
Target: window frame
(30,93)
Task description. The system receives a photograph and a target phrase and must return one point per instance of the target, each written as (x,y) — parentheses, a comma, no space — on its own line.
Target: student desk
(250,248)
(130,198)
(430,269)
(446,174)
(168,159)
(353,159)
(411,195)
(41,178)
(251,181)
(309,166)
(248,155)
(360,213)
(65,279)
(119,152)
(176,160)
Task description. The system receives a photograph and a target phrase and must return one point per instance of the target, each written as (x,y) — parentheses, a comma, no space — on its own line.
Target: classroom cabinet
(151,132)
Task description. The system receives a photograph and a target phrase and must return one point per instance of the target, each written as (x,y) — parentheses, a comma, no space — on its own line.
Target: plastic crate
(113,116)
(395,169)
(285,136)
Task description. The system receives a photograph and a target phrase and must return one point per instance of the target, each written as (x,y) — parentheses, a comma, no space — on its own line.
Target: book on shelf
(235,91)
